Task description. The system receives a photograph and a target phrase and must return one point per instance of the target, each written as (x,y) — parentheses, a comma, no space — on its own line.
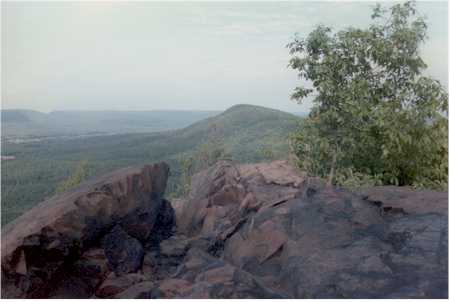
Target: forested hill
(247,133)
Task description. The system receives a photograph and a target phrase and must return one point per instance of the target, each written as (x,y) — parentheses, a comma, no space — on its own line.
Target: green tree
(267,152)
(79,175)
(374,113)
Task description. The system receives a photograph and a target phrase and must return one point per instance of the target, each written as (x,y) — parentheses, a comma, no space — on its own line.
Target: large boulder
(40,246)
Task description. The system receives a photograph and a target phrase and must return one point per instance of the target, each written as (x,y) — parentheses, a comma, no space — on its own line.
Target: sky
(111,55)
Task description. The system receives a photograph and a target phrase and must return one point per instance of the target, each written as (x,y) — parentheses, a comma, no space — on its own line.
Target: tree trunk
(333,165)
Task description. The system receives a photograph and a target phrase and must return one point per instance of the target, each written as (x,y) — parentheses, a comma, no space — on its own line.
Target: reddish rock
(277,172)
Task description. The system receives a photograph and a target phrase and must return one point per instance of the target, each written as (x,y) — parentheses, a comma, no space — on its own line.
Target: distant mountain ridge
(17,123)
(21,116)
(24,122)
(249,134)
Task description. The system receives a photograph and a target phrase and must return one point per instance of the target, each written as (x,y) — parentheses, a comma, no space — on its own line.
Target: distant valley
(45,156)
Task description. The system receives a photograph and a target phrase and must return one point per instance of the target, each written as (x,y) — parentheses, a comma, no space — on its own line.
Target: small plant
(268,152)
(80,174)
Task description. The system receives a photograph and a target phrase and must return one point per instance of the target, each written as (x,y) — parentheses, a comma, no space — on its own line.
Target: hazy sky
(188,56)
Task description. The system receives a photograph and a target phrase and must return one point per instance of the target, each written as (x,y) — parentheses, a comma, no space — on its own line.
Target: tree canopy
(376,117)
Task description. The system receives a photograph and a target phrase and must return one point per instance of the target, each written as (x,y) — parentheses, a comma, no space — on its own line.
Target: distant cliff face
(245,231)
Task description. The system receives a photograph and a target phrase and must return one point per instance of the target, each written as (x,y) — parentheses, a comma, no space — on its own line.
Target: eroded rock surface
(245,231)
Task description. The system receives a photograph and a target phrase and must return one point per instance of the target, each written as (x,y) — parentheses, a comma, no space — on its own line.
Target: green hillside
(246,131)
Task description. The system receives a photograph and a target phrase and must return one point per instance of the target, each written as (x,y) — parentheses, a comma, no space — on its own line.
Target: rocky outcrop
(303,239)
(245,231)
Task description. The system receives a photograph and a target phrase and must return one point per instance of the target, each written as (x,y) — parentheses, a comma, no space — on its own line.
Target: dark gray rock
(123,252)
(140,223)
(204,276)
(164,224)
(82,277)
